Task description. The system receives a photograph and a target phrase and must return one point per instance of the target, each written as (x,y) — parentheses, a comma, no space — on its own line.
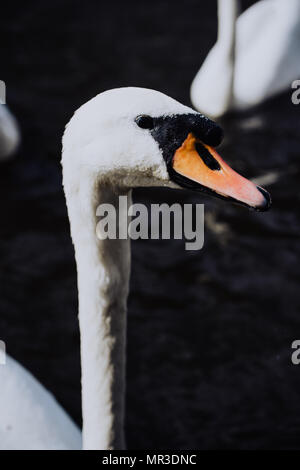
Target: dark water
(210,332)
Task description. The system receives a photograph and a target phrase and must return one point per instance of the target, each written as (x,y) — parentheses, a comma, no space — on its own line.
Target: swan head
(132,137)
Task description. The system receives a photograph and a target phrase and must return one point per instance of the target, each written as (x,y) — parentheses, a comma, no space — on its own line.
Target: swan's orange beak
(201,164)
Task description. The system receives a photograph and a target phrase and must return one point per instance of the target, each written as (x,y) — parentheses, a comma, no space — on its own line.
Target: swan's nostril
(207,157)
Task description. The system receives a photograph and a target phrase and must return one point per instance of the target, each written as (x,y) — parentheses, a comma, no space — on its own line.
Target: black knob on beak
(205,129)
(170,131)
(214,136)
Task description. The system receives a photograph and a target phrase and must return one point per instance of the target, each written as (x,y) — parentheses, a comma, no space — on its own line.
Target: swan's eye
(144,121)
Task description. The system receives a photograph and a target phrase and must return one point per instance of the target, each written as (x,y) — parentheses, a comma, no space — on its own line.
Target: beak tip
(267,201)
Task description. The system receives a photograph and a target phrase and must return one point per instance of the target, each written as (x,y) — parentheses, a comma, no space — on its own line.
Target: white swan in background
(119,140)
(255,57)
(30,417)
(9,133)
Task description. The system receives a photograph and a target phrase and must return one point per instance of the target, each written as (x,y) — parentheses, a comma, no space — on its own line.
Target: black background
(209,332)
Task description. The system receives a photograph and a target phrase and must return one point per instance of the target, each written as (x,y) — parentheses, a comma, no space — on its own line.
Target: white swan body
(30,417)
(256,57)
(9,133)
(122,139)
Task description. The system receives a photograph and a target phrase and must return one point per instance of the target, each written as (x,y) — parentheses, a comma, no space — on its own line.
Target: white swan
(9,133)
(122,139)
(30,417)
(255,57)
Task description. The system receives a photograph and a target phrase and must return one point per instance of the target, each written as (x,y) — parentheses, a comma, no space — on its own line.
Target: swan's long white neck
(103,280)
(227,16)
(227,19)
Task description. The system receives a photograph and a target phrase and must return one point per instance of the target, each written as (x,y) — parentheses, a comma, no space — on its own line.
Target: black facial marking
(171,131)
(207,157)
(144,121)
